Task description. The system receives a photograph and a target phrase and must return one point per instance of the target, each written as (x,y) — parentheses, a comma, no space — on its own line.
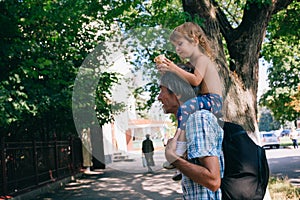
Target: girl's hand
(159,63)
(162,68)
(169,65)
(166,65)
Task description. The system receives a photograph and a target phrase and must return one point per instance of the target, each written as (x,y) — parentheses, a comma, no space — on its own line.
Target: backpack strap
(259,151)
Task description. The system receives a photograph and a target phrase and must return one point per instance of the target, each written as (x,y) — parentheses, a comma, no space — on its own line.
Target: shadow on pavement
(114,184)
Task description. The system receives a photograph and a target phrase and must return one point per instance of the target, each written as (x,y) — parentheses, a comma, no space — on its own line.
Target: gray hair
(178,86)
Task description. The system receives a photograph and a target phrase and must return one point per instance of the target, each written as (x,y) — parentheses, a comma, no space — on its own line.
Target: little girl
(191,43)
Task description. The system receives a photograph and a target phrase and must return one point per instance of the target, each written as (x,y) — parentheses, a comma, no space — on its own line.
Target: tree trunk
(244,45)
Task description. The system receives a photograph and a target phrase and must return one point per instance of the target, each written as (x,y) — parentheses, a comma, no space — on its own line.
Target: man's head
(174,91)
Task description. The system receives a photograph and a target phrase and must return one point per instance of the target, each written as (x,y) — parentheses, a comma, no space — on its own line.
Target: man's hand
(170,151)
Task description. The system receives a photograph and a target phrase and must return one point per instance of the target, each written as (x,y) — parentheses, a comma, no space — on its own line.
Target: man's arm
(206,174)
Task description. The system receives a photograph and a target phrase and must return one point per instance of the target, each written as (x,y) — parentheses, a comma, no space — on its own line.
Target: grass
(281,189)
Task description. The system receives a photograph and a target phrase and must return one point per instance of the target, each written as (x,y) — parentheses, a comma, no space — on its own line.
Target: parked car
(269,139)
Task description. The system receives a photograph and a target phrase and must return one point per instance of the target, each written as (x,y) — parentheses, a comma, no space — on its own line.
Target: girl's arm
(194,79)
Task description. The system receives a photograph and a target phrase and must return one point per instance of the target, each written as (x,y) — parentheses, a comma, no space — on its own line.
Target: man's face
(169,100)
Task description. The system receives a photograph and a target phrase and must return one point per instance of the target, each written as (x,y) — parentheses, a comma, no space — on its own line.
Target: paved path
(121,180)
(284,163)
(126,180)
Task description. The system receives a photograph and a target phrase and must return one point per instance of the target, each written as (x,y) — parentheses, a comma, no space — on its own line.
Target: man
(294,137)
(203,169)
(147,149)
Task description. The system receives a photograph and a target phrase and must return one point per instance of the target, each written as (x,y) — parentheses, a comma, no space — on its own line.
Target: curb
(46,188)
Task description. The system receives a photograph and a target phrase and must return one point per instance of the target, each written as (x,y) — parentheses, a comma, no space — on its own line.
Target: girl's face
(184,48)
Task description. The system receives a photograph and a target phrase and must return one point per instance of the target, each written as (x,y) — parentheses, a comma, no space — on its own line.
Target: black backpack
(246,172)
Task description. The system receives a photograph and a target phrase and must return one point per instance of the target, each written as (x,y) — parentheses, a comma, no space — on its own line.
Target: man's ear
(178,98)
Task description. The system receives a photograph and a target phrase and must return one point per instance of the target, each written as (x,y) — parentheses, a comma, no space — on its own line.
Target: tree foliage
(236,30)
(42,46)
(282,50)
(44,43)
(267,122)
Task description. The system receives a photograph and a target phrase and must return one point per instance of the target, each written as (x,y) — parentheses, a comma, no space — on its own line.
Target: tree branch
(225,26)
(253,26)
(280,5)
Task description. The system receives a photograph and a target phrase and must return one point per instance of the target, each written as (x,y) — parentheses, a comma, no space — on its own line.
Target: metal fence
(27,165)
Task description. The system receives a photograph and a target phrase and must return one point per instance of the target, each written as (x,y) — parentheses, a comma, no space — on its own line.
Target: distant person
(148,151)
(294,137)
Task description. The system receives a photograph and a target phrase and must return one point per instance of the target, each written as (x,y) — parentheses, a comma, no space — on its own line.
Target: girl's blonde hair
(192,32)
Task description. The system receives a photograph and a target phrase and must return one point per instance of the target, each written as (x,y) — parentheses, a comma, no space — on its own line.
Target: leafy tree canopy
(281,46)
(282,50)
(44,44)
(267,122)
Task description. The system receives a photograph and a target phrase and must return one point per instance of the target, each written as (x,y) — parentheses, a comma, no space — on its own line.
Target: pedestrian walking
(294,137)
(148,151)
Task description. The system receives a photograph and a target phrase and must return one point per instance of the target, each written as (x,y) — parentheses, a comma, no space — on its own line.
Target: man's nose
(159,96)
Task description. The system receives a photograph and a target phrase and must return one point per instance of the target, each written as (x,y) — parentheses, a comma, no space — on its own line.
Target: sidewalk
(120,180)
